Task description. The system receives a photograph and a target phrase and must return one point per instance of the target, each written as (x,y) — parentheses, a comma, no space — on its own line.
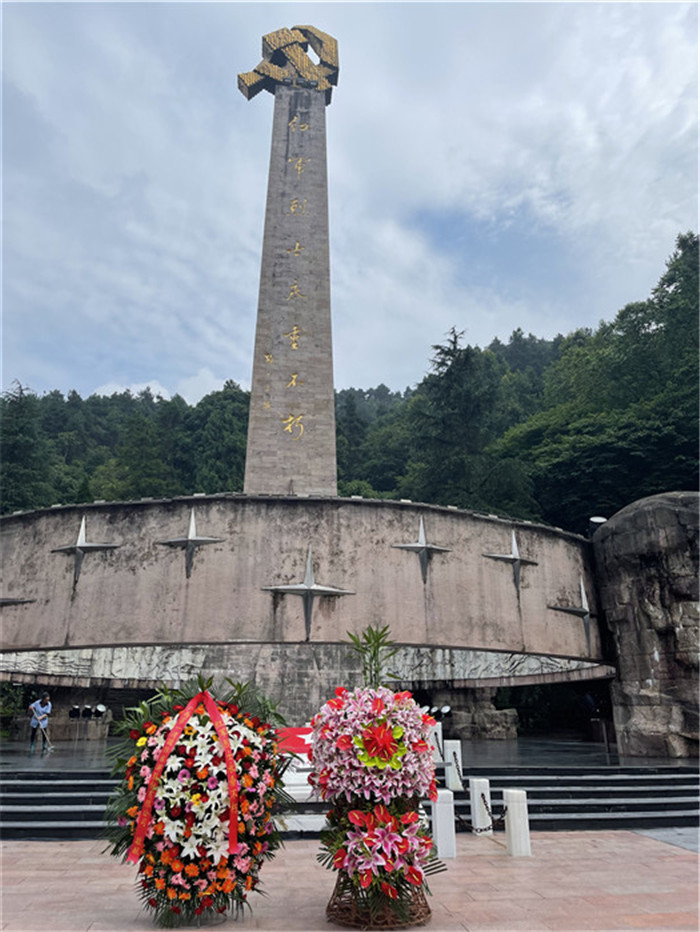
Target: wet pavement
(520,752)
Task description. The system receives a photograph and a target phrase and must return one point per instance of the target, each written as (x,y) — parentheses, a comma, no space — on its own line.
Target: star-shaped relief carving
(423,549)
(80,548)
(190,543)
(580,611)
(515,560)
(308,589)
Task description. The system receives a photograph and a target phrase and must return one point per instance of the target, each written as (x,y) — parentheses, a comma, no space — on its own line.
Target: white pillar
(481,820)
(517,823)
(444,825)
(453,751)
(436,741)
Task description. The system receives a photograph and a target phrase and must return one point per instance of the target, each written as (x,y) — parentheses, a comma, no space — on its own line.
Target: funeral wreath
(200,780)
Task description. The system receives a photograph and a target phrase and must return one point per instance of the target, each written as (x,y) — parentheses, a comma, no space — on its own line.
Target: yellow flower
(142,740)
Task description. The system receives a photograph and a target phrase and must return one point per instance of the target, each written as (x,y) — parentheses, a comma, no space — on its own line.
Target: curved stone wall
(436,576)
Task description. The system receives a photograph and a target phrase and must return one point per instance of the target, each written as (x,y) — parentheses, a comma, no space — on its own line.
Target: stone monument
(291,431)
(99,605)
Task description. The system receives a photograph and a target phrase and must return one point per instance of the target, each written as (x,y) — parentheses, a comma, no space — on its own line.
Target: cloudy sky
(491,166)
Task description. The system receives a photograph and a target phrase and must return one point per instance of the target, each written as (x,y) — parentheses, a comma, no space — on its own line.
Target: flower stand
(346,909)
(373,761)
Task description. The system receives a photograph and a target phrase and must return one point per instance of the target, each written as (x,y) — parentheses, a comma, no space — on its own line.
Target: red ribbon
(144,819)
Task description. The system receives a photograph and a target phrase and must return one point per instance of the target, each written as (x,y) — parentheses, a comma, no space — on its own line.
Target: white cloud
(462,138)
(112,388)
(196,386)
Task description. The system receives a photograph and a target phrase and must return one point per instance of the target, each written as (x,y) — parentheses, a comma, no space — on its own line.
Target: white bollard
(517,823)
(481,819)
(436,741)
(444,825)
(453,750)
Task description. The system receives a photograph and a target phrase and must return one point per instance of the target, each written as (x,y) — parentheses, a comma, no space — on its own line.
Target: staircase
(54,805)
(569,798)
(71,804)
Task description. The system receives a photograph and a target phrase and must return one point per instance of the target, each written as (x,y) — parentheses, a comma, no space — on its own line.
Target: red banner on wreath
(294,740)
(144,819)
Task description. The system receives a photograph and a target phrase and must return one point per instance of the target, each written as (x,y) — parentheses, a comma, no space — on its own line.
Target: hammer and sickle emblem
(285,61)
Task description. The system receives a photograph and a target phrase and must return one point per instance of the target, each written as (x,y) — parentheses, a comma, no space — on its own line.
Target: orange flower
(227,886)
(148,870)
(200,710)
(159,828)
(203,773)
(192,870)
(172,894)
(247,780)
(184,896)
(249,882)
(241,828)
(177,865)
(150,729)
(160,883)
(130,783)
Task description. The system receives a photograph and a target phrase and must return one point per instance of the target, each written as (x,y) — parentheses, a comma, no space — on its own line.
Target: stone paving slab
(574,881)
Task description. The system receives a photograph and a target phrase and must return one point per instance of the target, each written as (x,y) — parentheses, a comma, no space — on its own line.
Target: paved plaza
(574,881)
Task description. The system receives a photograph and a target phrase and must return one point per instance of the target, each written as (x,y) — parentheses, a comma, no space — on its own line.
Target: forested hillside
(552,430)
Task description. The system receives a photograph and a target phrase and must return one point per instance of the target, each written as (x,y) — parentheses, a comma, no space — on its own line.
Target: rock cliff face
(647,567)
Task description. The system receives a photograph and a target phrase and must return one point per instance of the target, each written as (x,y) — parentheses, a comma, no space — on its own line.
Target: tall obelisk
(291,431)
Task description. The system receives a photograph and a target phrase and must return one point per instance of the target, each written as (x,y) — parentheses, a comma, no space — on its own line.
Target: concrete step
(597,804)
(52,830)
(72,804)
(56,813)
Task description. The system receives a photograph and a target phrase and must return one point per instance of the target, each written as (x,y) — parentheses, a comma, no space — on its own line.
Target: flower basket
(345,908)
(373,761)
(200,778)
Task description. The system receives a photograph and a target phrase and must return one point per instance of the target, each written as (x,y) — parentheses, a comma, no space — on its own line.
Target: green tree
(143,463)
(26,459)
(217,429)
(620,406)
(452,418)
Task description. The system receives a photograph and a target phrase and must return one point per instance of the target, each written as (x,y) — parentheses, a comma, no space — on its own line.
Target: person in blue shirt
(41,709)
